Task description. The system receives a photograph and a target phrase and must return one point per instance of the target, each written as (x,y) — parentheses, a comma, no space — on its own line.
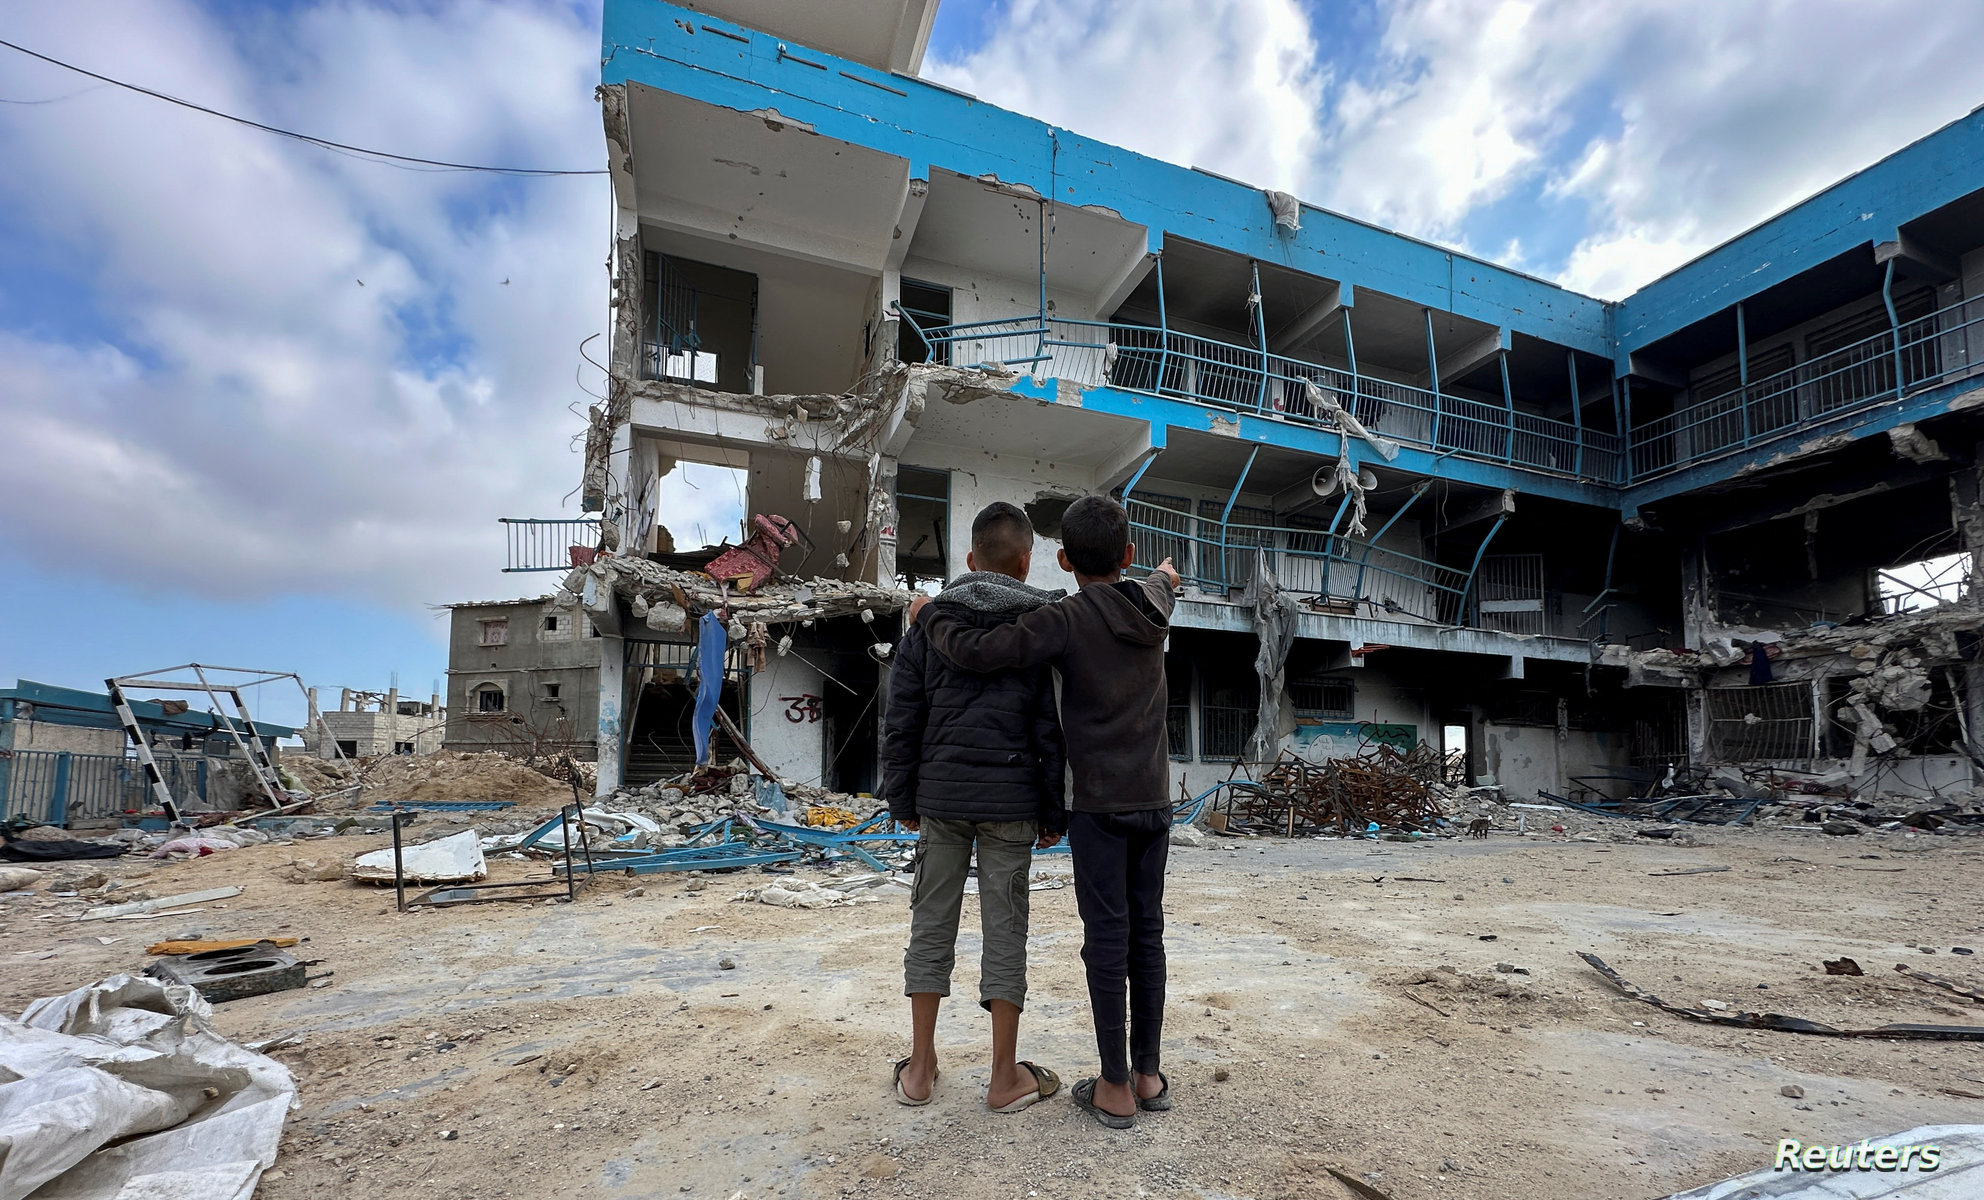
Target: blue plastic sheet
(711,641)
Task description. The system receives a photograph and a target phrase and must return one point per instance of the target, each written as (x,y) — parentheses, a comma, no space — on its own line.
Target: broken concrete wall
(977,479)
(1782,574)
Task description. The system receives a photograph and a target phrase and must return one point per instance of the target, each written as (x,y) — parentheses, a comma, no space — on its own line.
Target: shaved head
(1001,536)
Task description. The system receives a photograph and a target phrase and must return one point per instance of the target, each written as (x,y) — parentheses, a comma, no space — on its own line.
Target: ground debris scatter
(1334,1003)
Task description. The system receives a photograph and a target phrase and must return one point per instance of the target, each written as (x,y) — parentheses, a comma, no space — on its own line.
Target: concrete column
(1697,708)
(612,731)
(1696,612)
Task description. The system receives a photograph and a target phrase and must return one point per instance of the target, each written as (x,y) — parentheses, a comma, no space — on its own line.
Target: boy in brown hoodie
(1107,641)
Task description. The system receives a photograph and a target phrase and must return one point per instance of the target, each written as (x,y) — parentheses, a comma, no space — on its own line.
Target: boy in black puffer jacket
(975,759)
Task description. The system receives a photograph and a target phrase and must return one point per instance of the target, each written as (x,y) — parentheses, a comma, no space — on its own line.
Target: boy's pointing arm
(1035,638)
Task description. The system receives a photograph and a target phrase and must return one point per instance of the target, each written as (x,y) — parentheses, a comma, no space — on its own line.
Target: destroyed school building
(1415,496)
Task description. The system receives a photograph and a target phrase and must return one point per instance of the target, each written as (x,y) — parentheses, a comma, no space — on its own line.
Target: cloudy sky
(261,404)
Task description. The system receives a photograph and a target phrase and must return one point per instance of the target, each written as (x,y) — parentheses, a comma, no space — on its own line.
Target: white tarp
(453,859)
(131,1061)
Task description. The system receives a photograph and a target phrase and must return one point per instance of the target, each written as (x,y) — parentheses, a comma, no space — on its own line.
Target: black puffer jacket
(968,747)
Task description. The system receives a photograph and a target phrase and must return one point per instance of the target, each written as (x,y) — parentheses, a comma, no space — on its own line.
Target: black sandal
(1083,1094)
(1160,1102)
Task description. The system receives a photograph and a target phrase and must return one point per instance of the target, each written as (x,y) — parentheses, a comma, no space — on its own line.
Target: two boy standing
(975,755)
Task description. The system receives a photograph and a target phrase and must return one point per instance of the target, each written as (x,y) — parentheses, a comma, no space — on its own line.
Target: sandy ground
(601,1050)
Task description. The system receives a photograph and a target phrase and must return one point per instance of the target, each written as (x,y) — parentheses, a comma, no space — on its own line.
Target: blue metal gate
(55,787)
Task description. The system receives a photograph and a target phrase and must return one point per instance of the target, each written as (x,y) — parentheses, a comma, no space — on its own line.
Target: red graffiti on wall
(803,709)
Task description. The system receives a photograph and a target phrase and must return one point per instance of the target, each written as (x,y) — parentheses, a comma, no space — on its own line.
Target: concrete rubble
(666,598)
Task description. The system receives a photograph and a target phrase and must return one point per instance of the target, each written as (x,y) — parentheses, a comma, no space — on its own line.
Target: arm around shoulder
(1037,637)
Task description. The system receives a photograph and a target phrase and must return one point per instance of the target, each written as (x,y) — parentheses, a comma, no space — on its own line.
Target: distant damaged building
(1727,526)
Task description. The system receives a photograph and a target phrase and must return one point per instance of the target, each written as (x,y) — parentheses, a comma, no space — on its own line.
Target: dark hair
(1094,532)
(1001,535)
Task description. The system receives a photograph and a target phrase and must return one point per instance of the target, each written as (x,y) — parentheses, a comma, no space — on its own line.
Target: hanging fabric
(711,642)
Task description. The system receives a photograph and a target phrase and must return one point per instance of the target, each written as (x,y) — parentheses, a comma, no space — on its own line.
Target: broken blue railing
(843,841)
(733,842)
(1699,810)
(1185,812)
(738,841)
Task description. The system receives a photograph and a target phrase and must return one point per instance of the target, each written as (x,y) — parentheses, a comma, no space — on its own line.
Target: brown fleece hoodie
(1107,640)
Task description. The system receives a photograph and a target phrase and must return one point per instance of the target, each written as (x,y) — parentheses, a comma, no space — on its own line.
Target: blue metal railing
(1164,362)
(1941,347)
(1217,556)
(55,787)
(1923,352)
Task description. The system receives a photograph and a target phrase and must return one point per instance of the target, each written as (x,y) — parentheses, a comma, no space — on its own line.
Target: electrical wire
(403,161)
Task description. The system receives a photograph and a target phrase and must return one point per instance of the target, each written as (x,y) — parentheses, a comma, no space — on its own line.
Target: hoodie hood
(1128,614)
(991,592)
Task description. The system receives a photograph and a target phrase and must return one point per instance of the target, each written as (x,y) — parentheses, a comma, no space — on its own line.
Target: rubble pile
(1831,799)
(456,776)
(449,776)
(722,818)
(1895,657)
(666,598)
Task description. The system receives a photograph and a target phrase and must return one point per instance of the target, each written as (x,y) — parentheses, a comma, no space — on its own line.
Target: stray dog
(1478,827)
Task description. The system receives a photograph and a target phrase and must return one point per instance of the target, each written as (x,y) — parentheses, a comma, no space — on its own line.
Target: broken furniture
(748,566)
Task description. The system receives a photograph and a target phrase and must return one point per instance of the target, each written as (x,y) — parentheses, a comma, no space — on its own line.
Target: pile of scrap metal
(666,598)
(1381,786)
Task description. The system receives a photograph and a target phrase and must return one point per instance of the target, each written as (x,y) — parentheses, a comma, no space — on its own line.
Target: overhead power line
(404,161)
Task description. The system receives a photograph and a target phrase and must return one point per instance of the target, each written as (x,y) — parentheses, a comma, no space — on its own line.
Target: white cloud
(1464,100)
(1730,113)
(1235,86)
(1709,115)
(258,421)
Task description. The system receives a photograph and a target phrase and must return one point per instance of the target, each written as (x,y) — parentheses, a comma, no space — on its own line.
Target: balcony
(1339,574)
(548,544)
(1249,379)
(1911,356)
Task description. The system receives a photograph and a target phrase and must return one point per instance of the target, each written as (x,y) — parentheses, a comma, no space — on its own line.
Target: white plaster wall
(1525,759)
(794,750)
(979,296)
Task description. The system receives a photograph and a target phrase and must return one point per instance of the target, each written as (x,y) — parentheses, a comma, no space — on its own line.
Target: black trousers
(1119,888)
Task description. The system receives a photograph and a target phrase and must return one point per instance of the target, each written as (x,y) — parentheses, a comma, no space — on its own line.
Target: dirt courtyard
(605,1050)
